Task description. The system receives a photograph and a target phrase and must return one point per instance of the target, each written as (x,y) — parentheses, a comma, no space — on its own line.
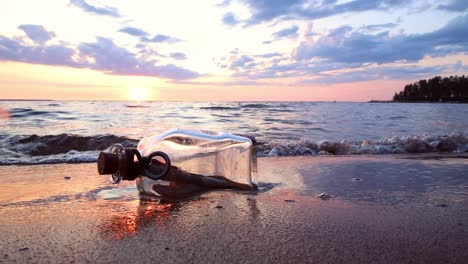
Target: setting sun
(139,94)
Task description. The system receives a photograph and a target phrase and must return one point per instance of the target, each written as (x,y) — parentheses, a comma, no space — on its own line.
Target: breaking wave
(68,148)
(385,145)
(63,148)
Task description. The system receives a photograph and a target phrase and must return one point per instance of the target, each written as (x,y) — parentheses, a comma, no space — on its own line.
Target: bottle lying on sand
(180,163)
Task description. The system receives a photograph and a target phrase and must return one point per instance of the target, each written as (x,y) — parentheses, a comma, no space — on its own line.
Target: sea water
(35,132)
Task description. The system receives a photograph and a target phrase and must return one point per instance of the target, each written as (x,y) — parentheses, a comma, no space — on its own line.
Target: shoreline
(382,209)
(427,155)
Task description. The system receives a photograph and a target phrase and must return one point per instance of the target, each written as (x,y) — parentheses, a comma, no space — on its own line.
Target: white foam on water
(385,145)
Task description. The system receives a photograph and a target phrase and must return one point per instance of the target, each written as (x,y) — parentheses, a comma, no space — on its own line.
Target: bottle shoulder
(185,136)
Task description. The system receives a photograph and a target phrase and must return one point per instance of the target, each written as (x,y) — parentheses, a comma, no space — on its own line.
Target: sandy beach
(383,209)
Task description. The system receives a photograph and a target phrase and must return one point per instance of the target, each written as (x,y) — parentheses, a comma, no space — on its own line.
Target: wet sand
(383,209)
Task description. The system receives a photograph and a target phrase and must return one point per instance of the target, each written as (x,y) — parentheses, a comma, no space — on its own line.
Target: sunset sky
(291,50)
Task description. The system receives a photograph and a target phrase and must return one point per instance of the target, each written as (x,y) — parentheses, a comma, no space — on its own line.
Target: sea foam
(67,148)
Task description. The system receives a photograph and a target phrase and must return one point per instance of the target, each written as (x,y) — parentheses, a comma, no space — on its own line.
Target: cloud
(269,55)
(225,83)
(242,61)
(178,56)
(235,51)
(159,38)
(273,71)
(244,65)
(378,27)
(37,33)
(12,50)
(224,3)
(345,54)
(455,6)
(290,32)
(266,10)
(347,46)
(230,19)
(113,59)
(102,55)
(133,31)
(104,11)
(382,73)
(329,73)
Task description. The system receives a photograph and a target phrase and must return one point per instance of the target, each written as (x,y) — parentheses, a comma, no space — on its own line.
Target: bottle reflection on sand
(148,213)
(151,216)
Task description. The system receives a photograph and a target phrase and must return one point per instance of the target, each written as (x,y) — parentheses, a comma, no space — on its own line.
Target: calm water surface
(267,121)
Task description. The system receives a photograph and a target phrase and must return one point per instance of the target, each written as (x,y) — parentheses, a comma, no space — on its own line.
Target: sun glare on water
(139,94)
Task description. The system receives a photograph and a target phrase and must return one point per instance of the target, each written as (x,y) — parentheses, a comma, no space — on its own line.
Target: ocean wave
(385,145)
(219,108)
(264,105)
(397,117)
(67,148)
(29,112)
(137,106)
(35,145)
(255,105)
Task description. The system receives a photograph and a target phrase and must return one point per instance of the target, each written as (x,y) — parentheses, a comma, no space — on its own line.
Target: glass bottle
(181,162)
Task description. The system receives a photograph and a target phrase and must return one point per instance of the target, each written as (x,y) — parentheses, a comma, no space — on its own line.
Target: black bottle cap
(108,163)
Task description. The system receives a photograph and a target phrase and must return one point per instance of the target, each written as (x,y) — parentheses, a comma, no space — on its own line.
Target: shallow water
(72,131)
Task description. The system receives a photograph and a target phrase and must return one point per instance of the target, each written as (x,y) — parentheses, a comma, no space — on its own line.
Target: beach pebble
(67,178)
(324,196)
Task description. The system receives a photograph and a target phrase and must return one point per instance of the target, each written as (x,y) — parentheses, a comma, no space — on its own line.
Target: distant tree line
(437,89)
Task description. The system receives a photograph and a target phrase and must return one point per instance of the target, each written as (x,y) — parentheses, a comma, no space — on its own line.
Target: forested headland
(448,89)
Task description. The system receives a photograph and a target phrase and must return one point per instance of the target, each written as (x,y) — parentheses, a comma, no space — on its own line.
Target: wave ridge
(68,148)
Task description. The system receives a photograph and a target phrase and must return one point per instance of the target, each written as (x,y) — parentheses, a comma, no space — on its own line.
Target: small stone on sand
(324,196)
(67,177)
